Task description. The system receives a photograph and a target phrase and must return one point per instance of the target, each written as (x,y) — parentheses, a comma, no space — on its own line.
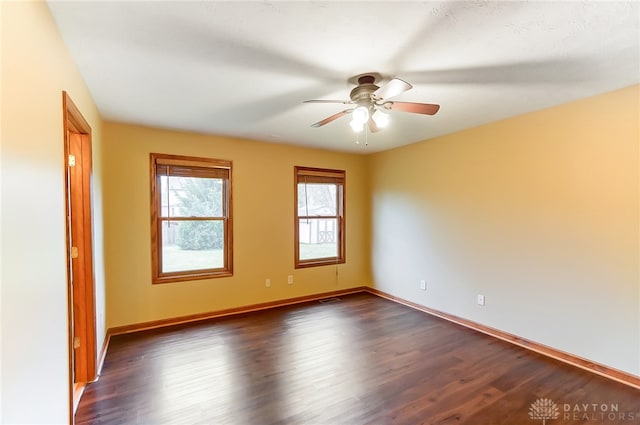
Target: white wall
(540,213)
(36,68)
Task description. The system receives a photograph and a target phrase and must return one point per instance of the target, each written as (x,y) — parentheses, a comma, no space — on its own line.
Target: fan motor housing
(362,93)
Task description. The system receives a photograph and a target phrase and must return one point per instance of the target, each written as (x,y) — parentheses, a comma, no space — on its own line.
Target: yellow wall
(539,213)
(263,225)
(36,68)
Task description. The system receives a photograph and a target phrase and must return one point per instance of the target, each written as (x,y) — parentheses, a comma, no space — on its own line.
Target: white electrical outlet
(290,279)
(267,283)
(480,299)
(423,284)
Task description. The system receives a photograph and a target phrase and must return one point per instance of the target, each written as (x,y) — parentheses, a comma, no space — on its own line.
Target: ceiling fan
(371,101)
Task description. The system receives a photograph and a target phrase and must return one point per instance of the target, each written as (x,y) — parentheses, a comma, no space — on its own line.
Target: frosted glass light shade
(381,119)
(356,126)
(361,114)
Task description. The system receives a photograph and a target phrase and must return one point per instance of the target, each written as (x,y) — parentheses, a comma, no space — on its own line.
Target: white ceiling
(243,68)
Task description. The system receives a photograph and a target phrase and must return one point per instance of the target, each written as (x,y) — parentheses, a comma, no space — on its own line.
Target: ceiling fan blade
(344,102)
(373,127)
(416,108)
(392,88)
(331,118)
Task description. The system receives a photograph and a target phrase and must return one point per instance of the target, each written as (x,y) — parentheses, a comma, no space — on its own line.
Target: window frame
(186,162)
(321,175)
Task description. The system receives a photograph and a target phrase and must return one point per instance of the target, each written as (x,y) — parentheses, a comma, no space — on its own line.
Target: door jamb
(73,121)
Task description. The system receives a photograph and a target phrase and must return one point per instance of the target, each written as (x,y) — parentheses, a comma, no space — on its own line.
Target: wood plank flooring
(360,360)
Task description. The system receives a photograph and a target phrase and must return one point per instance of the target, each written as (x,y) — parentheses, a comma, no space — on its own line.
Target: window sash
(194,272)
(225,198)
(183,171)
(182,166)
(311,217)
(323,176)
(194,218)
(318,175)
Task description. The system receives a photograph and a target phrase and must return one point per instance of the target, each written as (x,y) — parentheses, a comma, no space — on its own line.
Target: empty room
(320,212)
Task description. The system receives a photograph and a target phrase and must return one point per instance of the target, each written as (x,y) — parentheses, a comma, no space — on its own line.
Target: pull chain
(366,137)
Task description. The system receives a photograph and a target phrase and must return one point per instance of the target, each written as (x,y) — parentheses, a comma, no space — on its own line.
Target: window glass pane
(191,196)
(317,199)
(192,245)
(318,238)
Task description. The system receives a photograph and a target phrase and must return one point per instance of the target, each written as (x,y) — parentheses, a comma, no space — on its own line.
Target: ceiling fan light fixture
(361,115)
(380,118)
(357,126)
(369,104)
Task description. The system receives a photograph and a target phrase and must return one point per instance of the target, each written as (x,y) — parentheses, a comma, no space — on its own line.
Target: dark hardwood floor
(360,360)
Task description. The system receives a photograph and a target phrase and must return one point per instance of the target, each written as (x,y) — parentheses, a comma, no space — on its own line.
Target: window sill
(191,276)
(316,263)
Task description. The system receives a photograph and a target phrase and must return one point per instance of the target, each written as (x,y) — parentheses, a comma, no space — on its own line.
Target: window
(319,217)
(191,225)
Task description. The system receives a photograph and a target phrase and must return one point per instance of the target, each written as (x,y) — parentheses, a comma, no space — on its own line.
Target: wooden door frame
(82,293)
